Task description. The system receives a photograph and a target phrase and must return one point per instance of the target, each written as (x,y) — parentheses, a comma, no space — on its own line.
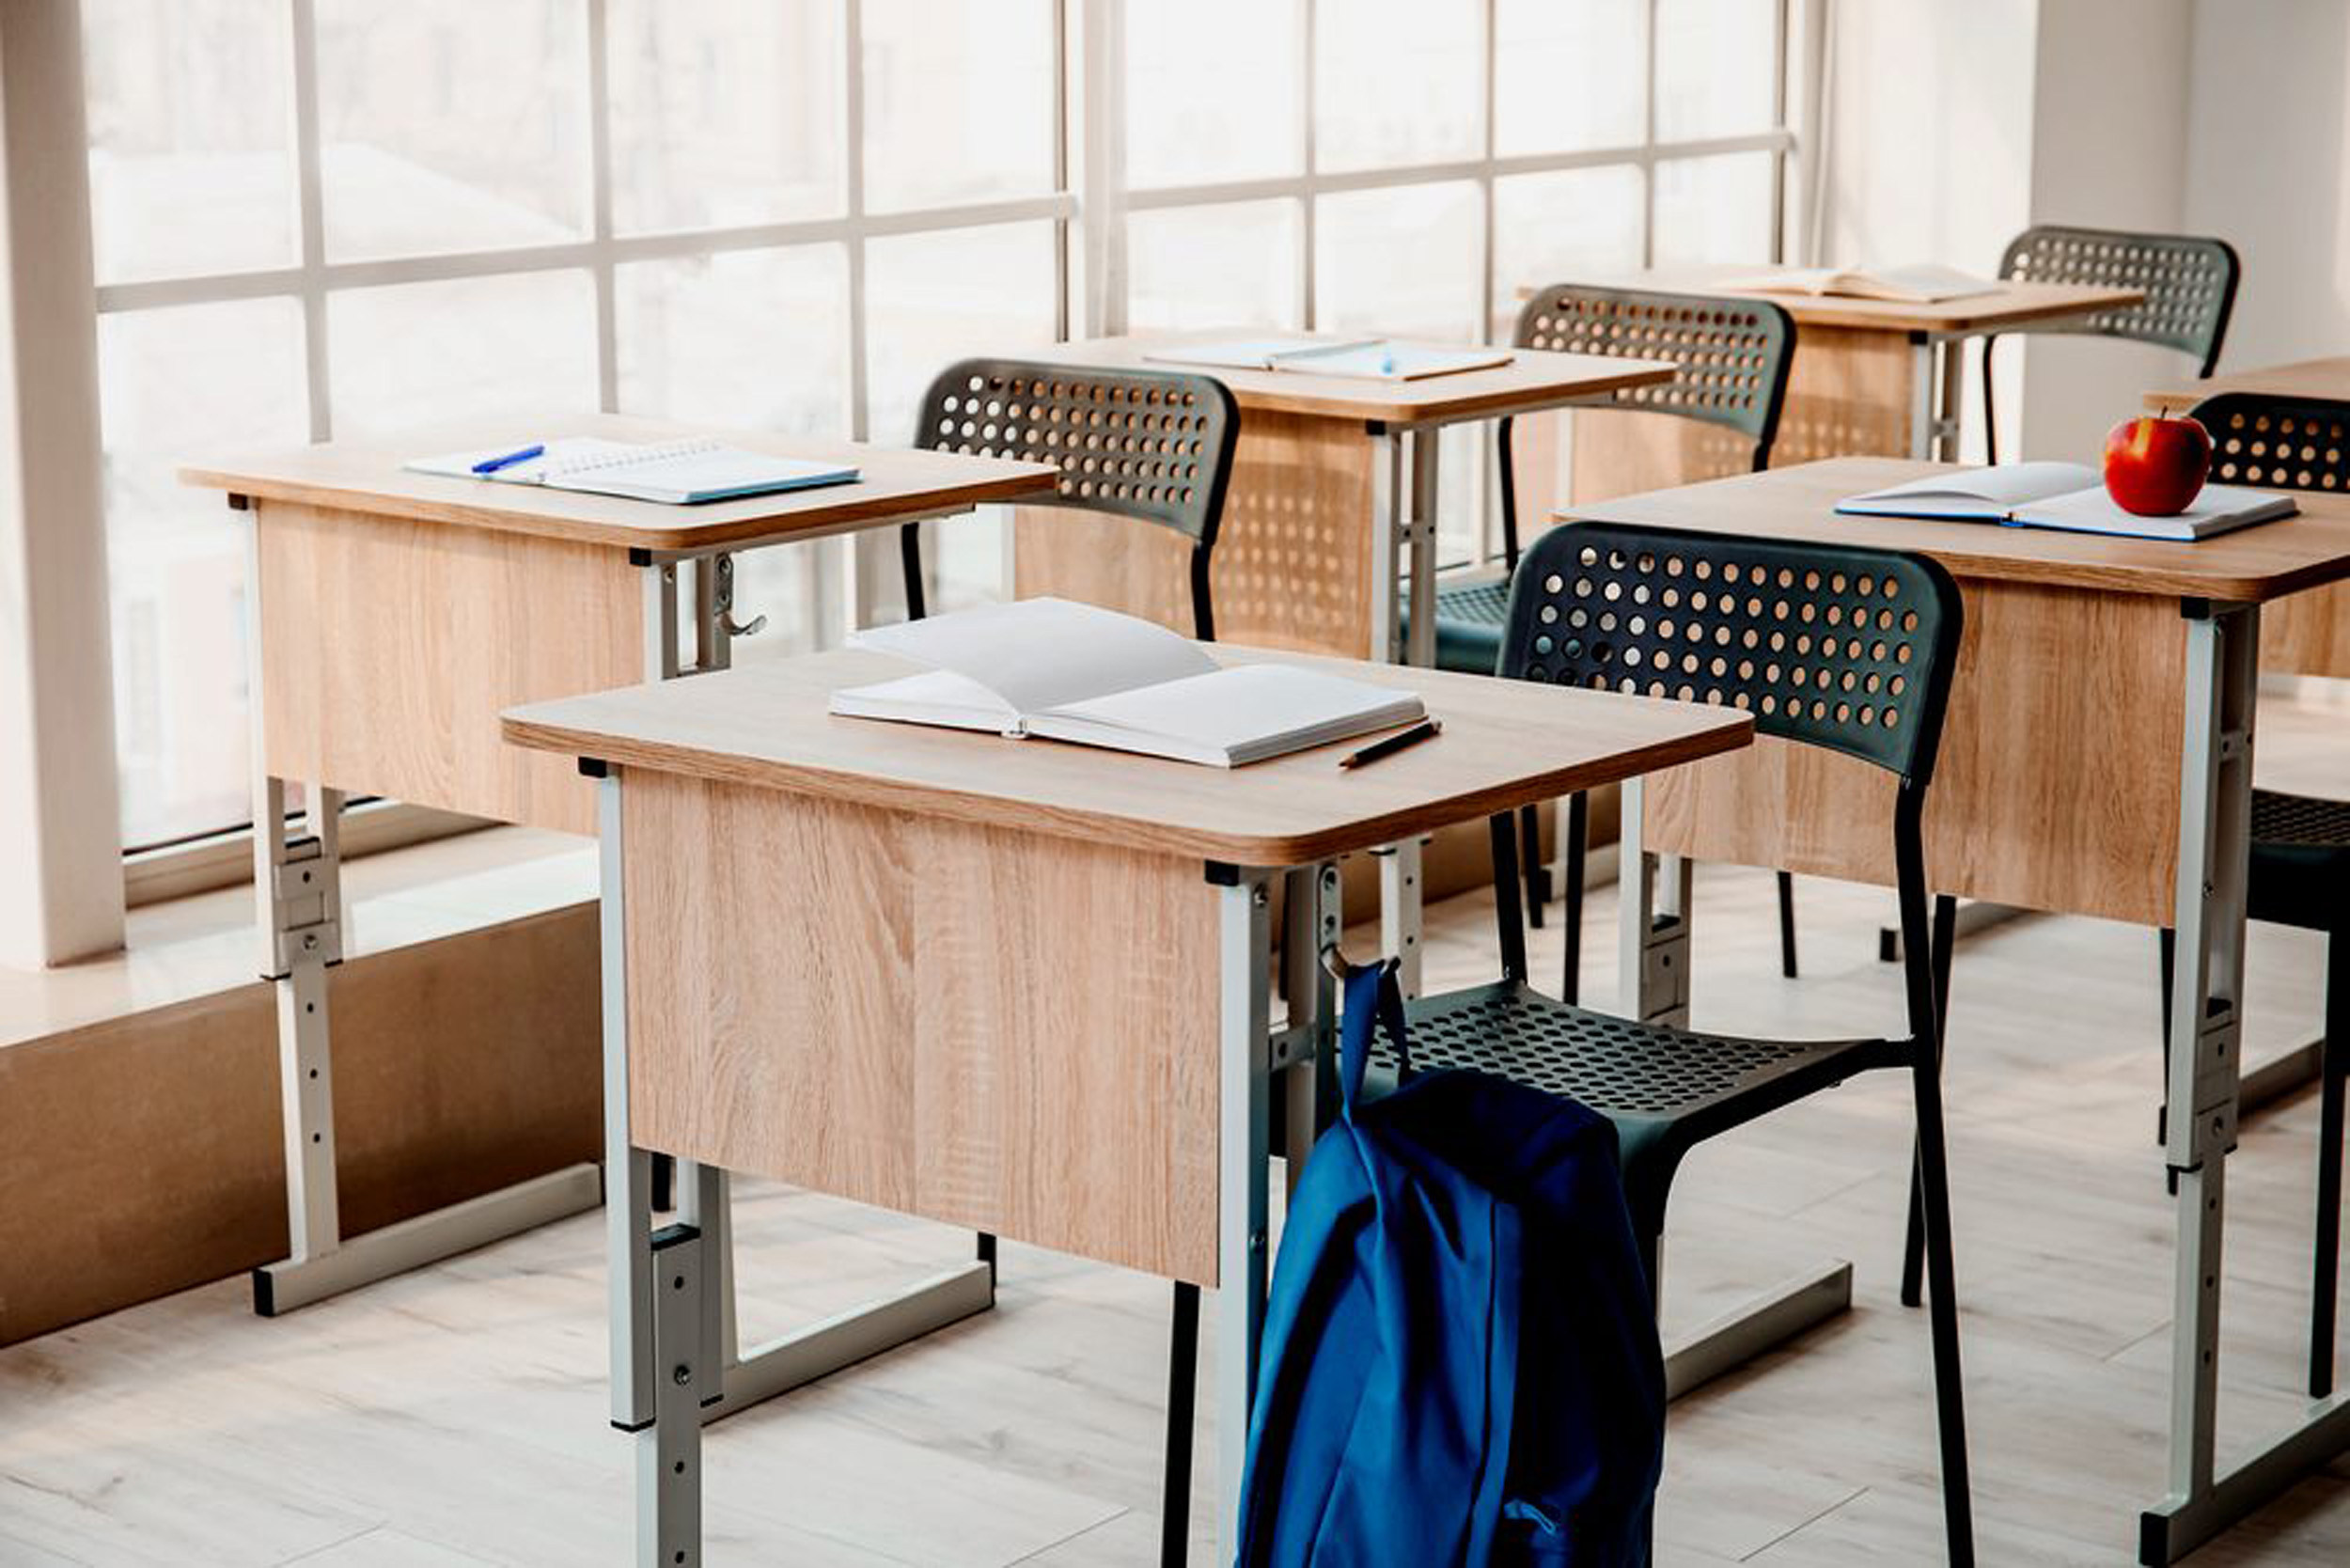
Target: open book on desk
(1372,358)
(1920,283)
(1075,672)
(675,473)
(2064,495)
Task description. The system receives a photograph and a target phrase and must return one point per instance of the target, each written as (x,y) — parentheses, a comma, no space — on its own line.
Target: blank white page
(1040,654)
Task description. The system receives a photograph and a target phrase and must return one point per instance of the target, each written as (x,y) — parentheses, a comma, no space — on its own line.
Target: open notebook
(2064,495)
(677,473)
(1075,672)
(1372,358)
(1921,283)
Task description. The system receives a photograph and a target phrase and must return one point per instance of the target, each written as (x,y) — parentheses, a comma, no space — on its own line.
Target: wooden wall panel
(2075,811)
(849,999)
(142,1155)
(389,647)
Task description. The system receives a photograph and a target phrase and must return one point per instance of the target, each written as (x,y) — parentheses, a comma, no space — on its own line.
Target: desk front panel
(389,647)
(979,1026)
(2057,787)
(1293,555)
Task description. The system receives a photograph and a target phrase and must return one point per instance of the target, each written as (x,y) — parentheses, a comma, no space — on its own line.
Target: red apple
(2153,467)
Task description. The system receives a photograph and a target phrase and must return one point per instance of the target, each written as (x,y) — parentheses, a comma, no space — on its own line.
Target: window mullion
(600,207)
(310,217)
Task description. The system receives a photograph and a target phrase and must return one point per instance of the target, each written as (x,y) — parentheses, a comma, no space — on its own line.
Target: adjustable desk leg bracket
(2214,849)
(299,877)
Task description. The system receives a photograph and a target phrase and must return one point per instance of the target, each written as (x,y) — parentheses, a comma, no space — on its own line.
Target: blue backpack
(1460,1354)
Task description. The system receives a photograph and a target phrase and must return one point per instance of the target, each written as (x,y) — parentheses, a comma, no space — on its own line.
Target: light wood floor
(455,1417)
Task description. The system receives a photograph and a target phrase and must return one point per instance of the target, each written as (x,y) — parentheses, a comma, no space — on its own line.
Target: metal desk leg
(1653,921)
(299,878)
(1245,1066)
(2214,839)
(679,1353)
(1311,919)
(1403,514)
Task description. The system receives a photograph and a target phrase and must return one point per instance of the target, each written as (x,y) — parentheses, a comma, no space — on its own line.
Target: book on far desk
(2064,495)
(1075,672)
(675,473)
(1370,358)
(1920,283)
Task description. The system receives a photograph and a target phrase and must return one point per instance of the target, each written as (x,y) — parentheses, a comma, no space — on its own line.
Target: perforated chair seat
(1469,620)
(1666,1089)
(2300,860)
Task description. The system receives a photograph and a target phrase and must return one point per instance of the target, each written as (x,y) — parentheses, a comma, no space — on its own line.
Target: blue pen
(491,465)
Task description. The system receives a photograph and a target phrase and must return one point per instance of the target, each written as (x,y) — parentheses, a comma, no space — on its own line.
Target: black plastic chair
(2190,282)
(2300,862)
(1849,649)
(1155,445)
(1735,355)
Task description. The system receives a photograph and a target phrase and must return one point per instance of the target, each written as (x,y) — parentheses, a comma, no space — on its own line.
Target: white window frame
(1787,28)
(1088,204)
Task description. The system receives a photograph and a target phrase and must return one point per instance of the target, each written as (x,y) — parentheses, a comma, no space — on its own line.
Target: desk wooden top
(2252,565)
(366,476)
(1505,743)
(2009,304)
(2303,378)
(1531,379)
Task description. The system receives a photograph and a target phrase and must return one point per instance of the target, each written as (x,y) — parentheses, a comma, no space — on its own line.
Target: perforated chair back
(1846,649)
(1733,354)
(1155,445)
(2190,282)
(2277,443)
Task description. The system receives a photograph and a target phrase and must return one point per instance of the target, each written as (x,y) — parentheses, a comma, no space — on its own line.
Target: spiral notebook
(675,473)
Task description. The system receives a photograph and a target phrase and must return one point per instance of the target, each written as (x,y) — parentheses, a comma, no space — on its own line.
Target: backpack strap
(1372,997)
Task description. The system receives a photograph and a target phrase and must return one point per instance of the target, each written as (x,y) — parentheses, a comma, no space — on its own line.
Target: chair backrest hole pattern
(1731,352)
(1143,444)
(1845,648)
(2190,283)
(2278,443)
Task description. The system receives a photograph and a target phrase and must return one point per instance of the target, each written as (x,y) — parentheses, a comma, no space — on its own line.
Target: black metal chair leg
(1531,862)
(1787,924)
(1183,1373)
(2334,1068)
(1913,1250)
(1576,830)
(1950,1392)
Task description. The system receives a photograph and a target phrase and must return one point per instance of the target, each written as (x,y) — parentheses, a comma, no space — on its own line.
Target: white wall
(1953,126)
(2109,148)
(2267,129)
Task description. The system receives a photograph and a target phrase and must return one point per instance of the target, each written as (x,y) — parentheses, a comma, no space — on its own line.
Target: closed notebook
(675,473)
(1918,283)
(2066,496)
(1368,358)
(1064,671)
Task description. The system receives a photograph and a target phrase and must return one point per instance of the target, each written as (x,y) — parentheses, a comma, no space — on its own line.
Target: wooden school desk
(2096,760)
(1869,378)
(393,615)
(1013,985)
(1334,479)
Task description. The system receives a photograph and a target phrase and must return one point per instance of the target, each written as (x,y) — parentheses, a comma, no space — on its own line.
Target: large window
(338,218)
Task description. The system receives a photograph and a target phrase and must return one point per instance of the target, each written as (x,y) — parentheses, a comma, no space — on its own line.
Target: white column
(60,833)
